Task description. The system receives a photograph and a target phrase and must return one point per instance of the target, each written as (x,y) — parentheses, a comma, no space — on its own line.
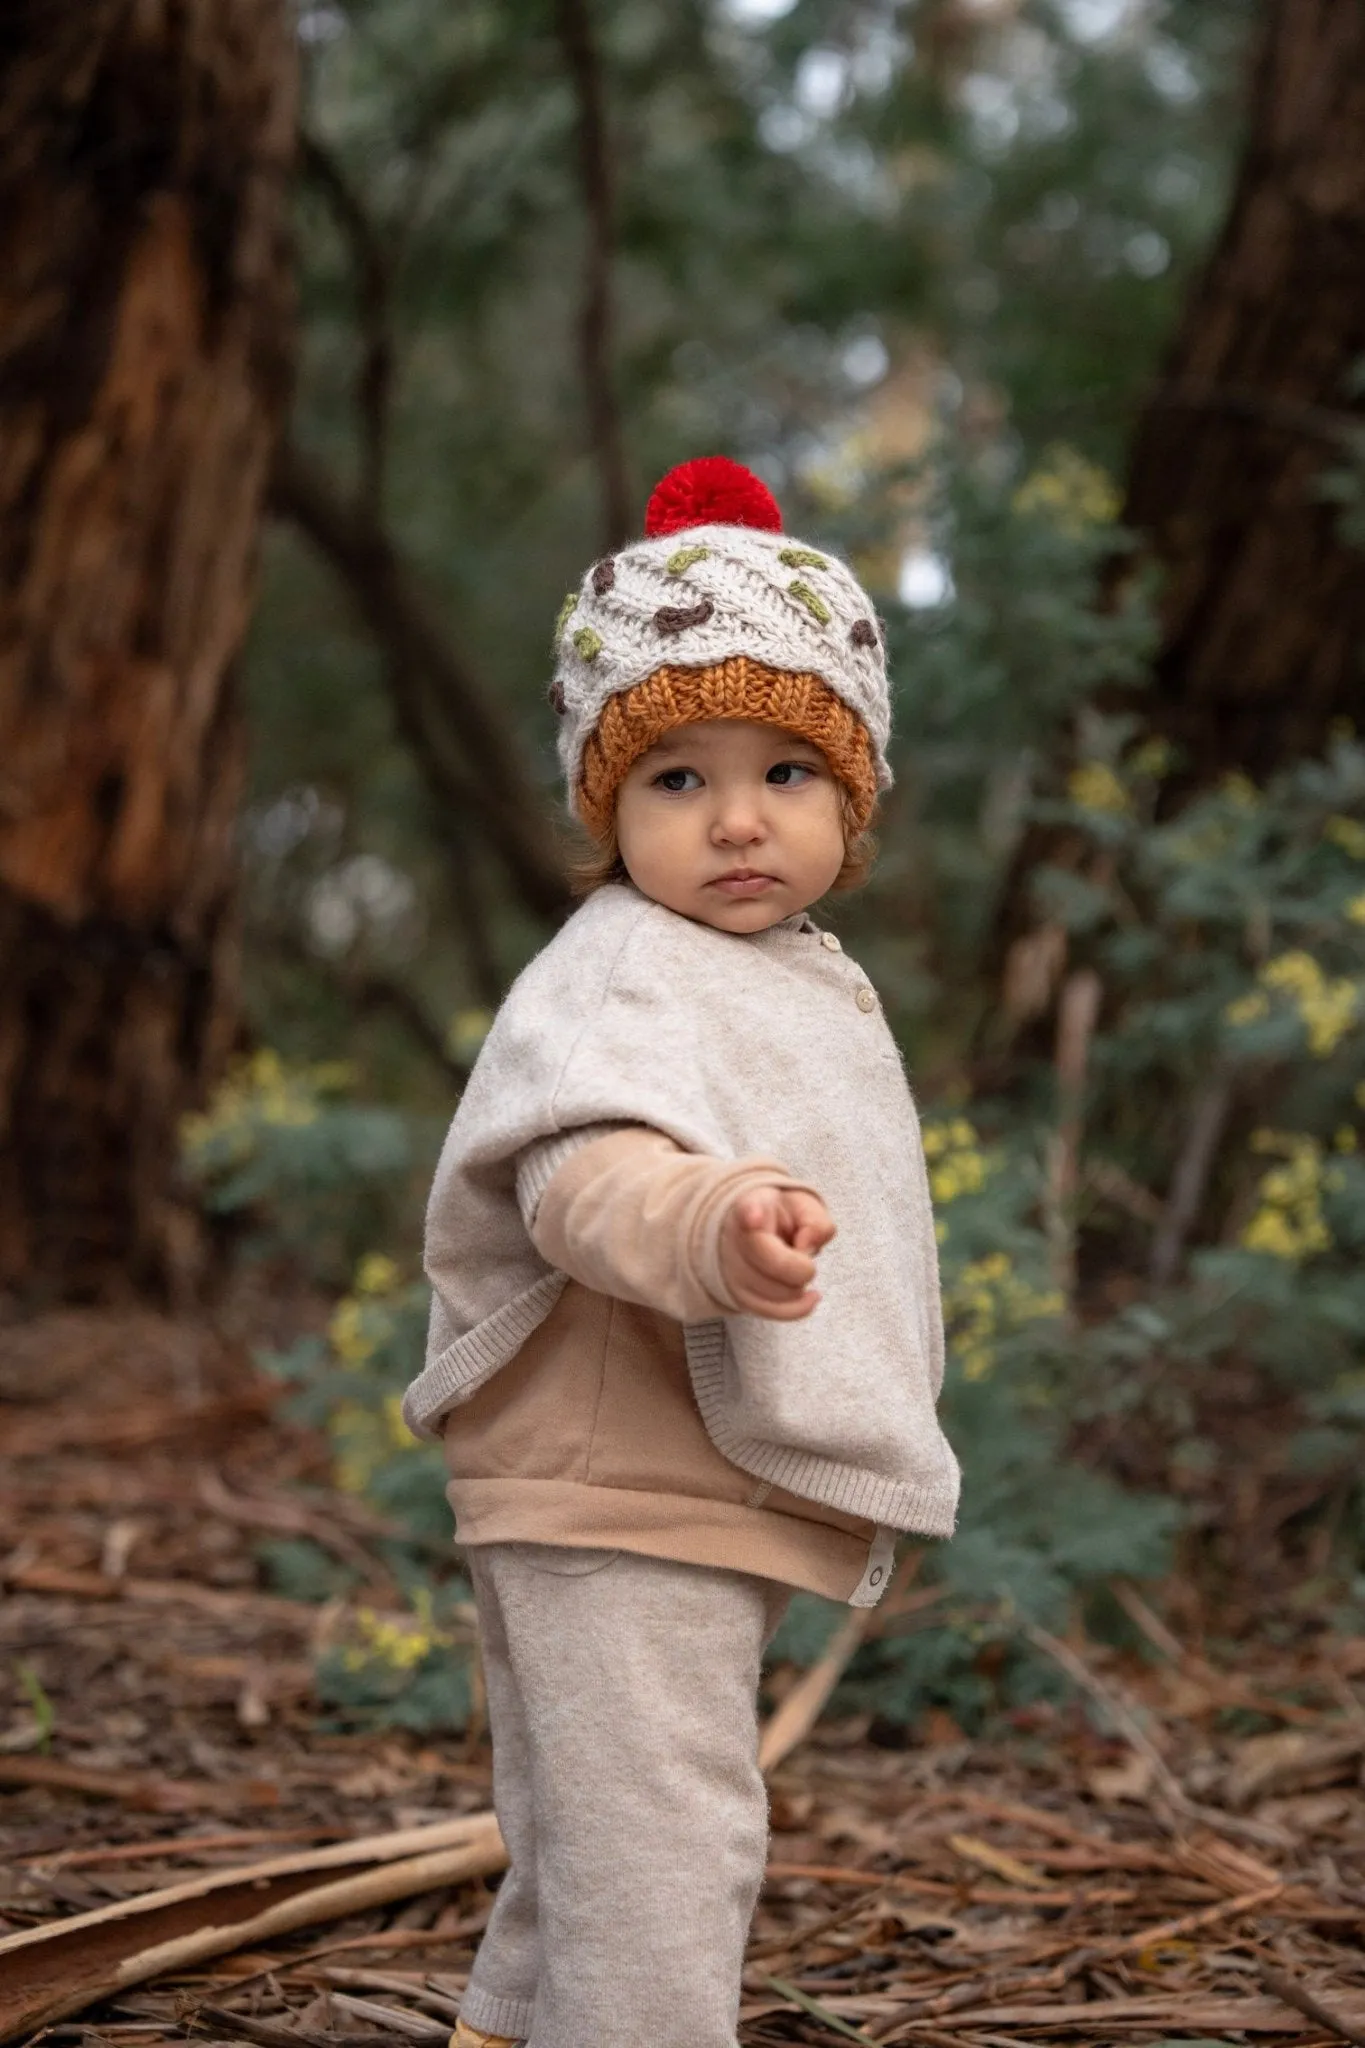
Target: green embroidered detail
(587,643)
(802,558)
(565,614)
(814,604)
(683,558)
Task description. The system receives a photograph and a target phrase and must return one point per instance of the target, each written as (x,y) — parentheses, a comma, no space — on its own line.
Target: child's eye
(786,774)
(676,780)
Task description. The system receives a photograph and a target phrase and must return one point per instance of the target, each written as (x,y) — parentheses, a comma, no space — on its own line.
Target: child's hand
(767,1243)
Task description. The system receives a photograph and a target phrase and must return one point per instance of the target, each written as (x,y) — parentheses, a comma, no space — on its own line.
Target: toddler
(656,1425)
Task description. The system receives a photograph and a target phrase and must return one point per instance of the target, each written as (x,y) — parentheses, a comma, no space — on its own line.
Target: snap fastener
(865,1000)
(830,943)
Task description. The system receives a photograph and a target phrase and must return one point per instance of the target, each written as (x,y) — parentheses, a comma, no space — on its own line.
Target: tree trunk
(1263,604)
(144,328)
(1263,612)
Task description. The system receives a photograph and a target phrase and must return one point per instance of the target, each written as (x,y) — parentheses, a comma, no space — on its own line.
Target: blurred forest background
(335,341)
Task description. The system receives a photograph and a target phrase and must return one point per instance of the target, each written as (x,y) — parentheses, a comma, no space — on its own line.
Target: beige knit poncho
(771,1044)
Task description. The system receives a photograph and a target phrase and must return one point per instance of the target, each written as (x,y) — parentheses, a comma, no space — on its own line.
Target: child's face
(734,824)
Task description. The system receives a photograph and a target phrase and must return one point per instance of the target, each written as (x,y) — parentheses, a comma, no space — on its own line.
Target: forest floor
(1181,1881)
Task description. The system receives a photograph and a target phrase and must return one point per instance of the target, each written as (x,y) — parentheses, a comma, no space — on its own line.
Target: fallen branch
(1094,2019)
(1134,1734)
(1123,1719)
(801,1709)
(75,1585)
(408,2024)
(51,1973)
(129,1788)
(1311,2006)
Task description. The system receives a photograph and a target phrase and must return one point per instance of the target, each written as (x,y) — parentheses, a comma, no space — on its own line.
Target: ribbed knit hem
(475,1357)
(927,1507)
(766,1542)
(494,2015)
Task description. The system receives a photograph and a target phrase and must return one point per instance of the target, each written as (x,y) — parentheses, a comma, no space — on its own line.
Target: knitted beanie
(717,614)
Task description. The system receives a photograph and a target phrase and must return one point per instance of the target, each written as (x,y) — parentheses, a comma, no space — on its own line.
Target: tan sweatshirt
(591,1435)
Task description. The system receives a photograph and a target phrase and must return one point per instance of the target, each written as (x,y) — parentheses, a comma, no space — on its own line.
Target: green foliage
(305,1171)
(414,1674)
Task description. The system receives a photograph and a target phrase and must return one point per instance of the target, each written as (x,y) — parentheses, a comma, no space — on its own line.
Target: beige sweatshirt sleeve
(633,1215)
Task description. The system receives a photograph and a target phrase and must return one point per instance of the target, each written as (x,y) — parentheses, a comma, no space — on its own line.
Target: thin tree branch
(596,321)
(367,991)
(459,739)
(373,278)
(1190,1177)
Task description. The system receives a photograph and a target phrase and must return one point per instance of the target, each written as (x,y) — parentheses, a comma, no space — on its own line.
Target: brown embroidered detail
(676,618)
(863,633)
(555,693)
(603,575)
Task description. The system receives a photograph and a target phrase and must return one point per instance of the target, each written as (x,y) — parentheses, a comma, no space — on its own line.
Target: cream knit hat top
(717,614)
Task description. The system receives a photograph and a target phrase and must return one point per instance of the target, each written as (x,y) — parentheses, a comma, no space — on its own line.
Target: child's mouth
(743,882)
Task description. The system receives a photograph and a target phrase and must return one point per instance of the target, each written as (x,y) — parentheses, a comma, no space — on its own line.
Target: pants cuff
(494,2015)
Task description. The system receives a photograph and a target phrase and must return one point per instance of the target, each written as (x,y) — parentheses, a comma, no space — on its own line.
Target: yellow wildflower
(1327,1006)
(1348,834)
(333,1077)
(395,1644)
(1248,1009)
(467,1032)
(1240,791)
(1355,909)
(400,1436)
(350,1332)
(1070,492)
(1290,1224)
(1152,759)
(984,1302)
(957,1165)
(377,1273)
(1095,787)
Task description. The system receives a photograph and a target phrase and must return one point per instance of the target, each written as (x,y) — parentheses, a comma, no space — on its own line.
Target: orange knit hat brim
(737,688)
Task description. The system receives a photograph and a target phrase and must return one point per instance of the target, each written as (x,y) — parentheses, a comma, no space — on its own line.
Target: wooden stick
(69,1964)
(804,1704)
(1282,1985)
(1131,1729)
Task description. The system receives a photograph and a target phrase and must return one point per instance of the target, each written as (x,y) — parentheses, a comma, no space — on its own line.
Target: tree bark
(1263,608)
(144,330)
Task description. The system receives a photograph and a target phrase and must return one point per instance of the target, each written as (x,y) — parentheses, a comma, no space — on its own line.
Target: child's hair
(600,861)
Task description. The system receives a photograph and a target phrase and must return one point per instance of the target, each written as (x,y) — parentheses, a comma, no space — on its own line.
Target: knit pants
(622,1696)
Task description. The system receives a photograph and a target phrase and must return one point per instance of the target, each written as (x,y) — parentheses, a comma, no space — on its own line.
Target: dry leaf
(1292,1760)
(1131,1780)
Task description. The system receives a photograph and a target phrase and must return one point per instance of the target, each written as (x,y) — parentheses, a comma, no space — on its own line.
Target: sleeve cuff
(539,1163)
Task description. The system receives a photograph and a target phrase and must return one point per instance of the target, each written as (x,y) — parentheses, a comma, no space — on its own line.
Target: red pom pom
(711,491)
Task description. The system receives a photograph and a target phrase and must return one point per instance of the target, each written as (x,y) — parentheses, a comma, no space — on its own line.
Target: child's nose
(738,822)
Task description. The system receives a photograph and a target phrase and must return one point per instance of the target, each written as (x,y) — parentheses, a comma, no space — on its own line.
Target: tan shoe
(466,2036)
